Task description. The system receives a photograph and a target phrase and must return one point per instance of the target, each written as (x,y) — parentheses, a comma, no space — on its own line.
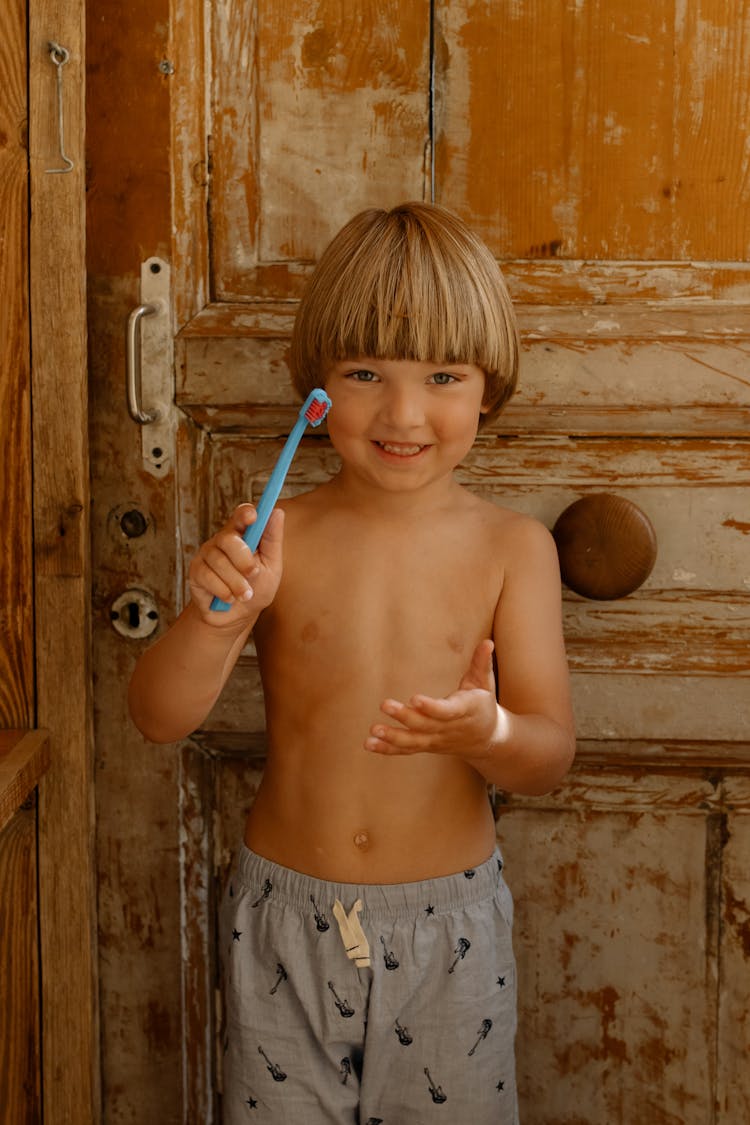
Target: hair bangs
(411,283)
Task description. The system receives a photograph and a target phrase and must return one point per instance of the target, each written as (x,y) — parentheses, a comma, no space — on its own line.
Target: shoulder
(518,532)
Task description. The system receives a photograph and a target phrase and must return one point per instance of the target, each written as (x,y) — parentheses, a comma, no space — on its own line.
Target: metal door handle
(133,354)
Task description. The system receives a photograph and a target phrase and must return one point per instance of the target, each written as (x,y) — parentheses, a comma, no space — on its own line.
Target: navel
(361,840)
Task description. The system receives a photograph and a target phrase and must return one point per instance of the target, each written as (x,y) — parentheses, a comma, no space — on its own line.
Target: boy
(367,930)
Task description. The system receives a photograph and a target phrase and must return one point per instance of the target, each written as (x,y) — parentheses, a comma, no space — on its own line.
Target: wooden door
(600,150)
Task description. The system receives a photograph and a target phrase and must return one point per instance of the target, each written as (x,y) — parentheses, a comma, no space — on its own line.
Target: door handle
(606,545)
(133,364)
(149,374)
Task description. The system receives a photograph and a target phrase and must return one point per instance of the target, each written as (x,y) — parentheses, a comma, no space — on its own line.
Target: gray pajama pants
(362,1005)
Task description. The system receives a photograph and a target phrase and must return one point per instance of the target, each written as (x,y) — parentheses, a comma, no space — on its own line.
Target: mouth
(400,449)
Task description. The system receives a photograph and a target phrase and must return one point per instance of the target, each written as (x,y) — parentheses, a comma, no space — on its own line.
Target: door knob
(606,546)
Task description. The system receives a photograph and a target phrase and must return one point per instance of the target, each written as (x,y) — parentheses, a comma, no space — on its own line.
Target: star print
(501,981)
(500,1086)
(236,935)
(252,1103)
(429,910)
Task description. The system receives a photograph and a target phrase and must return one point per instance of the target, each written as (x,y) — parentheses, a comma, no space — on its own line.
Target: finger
(439,710)
(215,569)
(242,516)
(480,673)
(395,740)
(229,543)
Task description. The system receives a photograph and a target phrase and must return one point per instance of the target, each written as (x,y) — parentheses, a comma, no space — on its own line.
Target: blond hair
(410,283)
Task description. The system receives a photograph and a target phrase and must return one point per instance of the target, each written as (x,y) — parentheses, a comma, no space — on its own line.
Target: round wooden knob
(606,546)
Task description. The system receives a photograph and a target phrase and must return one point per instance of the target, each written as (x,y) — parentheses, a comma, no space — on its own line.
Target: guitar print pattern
(311,1036)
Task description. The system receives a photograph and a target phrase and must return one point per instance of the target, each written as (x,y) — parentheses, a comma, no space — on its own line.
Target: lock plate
(157,366)
(134,614)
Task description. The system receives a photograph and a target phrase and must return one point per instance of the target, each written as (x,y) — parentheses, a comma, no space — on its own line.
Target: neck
(381,502)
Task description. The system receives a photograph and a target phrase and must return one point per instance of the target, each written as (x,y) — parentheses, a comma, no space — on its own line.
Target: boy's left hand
(465,723)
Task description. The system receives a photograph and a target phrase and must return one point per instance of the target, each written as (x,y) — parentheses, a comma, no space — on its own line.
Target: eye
(443,378)
(362,376)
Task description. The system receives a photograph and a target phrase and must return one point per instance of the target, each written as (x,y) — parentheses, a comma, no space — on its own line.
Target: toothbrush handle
(254,532)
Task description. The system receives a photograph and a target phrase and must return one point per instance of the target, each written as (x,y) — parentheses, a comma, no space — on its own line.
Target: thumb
(271,545)
(480,673)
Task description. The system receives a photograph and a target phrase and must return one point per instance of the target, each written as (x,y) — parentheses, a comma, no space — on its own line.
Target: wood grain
(16,573)
(62,571)
(20,1055)
(596,131)
(314,101)
(24,759)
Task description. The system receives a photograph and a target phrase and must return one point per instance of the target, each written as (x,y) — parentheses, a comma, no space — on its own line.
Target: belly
(364,818)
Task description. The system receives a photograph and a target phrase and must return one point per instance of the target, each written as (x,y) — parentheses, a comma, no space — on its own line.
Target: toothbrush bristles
(316,411)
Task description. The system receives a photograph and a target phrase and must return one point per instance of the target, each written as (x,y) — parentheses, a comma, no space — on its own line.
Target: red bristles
(316,411)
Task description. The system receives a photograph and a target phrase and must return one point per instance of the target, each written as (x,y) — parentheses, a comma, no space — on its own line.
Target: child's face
(401,424)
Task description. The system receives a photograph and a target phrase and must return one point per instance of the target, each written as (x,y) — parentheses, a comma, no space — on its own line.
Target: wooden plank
(616,1000)
(20,1054)
(148,1065)
(16,574)
(24,759)
(694,492)
(733,1090)
(198,910)
(587,370)
(319,112)
(62,571)
(185,66)
(596,130)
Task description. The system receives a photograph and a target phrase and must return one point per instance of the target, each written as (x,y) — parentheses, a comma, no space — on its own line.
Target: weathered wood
(584,370)
(24,759)
(615,1002)
(634,379)
(148,1067)
(733,1092)
(312,102)
(20,1054)
(16,573)
(596,131)
(62,571)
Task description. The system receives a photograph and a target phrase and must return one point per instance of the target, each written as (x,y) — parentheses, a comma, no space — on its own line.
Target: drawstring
(352,935)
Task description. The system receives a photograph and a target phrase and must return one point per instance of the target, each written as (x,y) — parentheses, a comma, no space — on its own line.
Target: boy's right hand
(226,568)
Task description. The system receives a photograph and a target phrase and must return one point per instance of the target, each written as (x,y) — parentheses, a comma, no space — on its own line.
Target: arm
(177,681)
(525,743)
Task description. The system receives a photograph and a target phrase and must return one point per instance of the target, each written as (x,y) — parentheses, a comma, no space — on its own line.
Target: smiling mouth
(400,449)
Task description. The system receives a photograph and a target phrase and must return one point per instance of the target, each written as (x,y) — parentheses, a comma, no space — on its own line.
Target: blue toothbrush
(314,409)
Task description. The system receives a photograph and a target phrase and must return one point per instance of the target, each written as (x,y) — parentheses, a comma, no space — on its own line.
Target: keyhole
(134,615)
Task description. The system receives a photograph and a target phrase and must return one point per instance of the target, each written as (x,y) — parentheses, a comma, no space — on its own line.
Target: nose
(402,408)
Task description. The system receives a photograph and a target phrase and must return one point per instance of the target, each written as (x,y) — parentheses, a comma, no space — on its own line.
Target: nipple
(361,840)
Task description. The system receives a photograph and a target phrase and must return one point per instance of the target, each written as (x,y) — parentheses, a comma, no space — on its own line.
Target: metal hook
(60,56)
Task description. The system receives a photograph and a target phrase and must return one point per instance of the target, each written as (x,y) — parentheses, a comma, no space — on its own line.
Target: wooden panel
(584,370)
(70,1030)
(149,1071)
(597,130)
(20,1057)
(733,1090)
(16,575)
(320,111)
(617,998)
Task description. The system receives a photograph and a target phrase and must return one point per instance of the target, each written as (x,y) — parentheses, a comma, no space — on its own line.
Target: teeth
(401,450)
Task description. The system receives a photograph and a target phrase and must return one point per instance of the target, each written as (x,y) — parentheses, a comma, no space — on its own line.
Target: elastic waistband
(274,883)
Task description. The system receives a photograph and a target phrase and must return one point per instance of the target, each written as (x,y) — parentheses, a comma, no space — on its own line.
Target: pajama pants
(368,1005)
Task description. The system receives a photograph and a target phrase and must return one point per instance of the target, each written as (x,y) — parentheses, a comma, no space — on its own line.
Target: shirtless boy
(368,959)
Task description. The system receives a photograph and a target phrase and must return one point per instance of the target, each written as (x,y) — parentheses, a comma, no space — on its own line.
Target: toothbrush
(314,409)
